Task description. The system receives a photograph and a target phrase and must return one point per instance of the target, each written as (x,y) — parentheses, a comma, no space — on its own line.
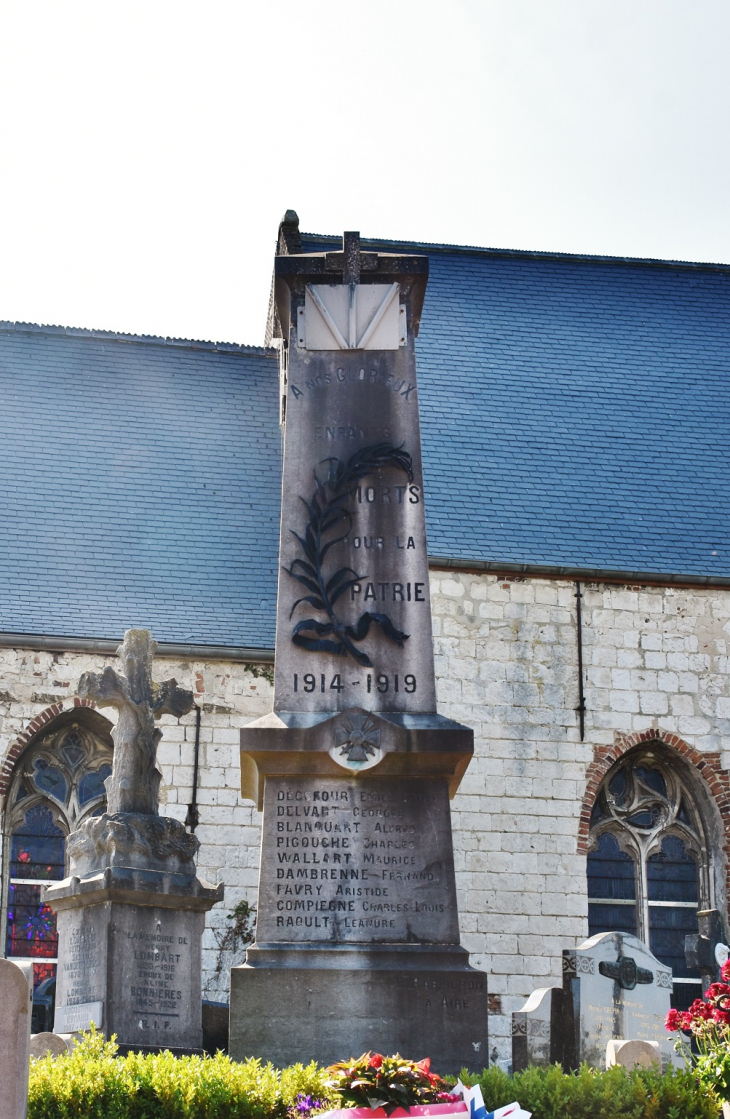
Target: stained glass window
(50,779)
(611,880)
(31,923)
(91,785)
(647,862)
(38,846)
(58,782)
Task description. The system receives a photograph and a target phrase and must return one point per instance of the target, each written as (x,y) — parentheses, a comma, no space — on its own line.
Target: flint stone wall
(506,665)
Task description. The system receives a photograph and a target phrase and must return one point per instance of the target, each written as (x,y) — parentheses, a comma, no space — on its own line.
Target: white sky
(150,148)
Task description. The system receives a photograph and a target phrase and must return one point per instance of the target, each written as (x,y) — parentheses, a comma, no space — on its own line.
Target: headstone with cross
(131,912)
(613,989)
(357,923)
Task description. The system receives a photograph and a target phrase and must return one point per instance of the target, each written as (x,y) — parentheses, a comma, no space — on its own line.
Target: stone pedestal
(416,1002)
(357,941)
(130,936)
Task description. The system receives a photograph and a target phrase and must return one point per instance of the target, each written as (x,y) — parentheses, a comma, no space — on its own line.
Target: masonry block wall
(655,662)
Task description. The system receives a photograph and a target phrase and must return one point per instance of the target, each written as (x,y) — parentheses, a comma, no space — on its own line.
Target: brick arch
(706,764)
(30,733)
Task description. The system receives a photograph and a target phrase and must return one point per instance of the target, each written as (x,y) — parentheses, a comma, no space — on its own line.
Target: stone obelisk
(132,911)
(357,943)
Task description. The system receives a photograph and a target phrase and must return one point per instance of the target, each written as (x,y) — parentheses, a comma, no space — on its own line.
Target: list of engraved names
(81,966)
(358,860)
(158,957)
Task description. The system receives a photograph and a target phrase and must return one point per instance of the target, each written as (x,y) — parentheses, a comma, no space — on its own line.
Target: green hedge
(94,1083)
(616,1094)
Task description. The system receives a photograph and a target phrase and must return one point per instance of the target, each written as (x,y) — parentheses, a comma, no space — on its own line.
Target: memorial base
(130,956)
(416,1003)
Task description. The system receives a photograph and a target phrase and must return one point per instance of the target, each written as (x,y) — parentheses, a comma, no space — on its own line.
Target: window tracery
(648,864)
(58,782)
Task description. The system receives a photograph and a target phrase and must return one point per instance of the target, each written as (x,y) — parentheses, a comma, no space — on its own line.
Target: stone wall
(655,660)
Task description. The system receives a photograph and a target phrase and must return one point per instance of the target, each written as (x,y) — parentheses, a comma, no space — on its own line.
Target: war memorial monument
(357,942)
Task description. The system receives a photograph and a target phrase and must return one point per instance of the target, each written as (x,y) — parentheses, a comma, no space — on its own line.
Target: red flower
(672,1022)
(717,991)
(425,1064)
(376,1060)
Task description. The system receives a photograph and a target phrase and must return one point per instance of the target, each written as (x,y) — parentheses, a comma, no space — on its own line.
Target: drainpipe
(581,708)
(193,817)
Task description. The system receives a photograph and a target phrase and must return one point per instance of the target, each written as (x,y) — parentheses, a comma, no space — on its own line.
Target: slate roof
(574,416)
(141,487)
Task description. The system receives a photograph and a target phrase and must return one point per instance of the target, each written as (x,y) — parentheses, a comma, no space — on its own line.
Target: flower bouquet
(374,1086)
(708,1021)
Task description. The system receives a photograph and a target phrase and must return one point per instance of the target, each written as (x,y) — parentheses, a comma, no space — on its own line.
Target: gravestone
(16,999)
(357,940)
(45,1043)
(633,1054)
(131,912)
(537,1030)
(613,989)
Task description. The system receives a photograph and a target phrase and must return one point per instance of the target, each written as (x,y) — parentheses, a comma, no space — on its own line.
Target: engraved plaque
(357,861)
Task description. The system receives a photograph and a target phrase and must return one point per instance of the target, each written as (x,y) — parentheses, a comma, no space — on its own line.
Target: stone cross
(625,972)
(699,947)
(350,261)
(135,781)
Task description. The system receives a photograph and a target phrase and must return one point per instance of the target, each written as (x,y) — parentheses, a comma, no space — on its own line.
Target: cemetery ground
(94,1082)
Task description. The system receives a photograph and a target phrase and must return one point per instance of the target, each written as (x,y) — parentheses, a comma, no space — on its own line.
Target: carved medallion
(357,743)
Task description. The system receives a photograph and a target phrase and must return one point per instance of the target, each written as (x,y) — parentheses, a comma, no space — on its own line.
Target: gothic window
(58,782)
(648,867)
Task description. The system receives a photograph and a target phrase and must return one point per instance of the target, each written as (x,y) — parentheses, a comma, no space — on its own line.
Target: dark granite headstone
(132,911)
(357,941)
(538,1030)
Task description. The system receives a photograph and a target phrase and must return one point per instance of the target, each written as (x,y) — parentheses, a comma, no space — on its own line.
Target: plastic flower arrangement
(708,1021)
(389,1082)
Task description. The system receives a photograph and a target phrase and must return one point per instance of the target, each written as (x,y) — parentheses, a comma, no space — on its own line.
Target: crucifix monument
(357,942)
(131,912)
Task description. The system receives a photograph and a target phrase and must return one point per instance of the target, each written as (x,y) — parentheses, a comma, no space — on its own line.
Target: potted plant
(373,1086)
(708,1021)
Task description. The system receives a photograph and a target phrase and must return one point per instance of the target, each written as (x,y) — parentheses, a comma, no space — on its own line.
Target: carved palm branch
(328,523)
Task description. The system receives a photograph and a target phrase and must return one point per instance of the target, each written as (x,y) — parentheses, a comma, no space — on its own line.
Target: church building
(576,449)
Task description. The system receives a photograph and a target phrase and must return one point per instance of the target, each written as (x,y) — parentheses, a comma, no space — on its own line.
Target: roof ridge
(9,326)
(537,254)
